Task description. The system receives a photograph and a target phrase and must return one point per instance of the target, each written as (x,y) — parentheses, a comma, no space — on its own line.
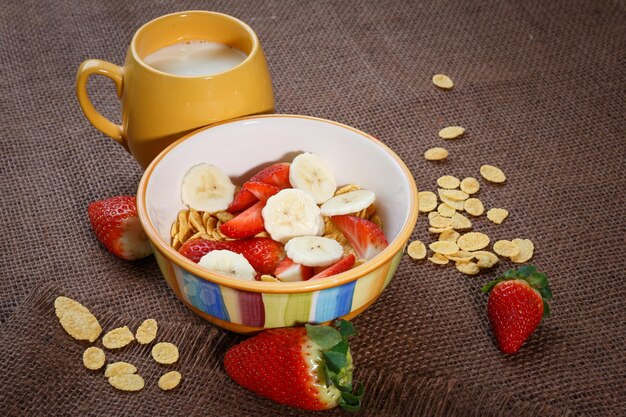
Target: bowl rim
(353,274)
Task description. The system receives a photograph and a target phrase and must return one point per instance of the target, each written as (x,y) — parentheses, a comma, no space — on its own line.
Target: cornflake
(440,221)
(497,215)
(473,241)
(117,338)
(76,319)
(93,358)
(474,206)
(460,222)
(451,132)
(448,181)
(165,353)
(416,250)
(449,235)
(443,81)
(269,278)
(169,380)
(506,248)
(455,204)
(468,268)
(436,154)
(445,210)
(461,256)
(438,259)
(119,368)
(526,249)
(456,195)
(470,185)
(147,331)
(492,174)
(127,382)
(444,247)
(438,230)
(427,201)
(485,259)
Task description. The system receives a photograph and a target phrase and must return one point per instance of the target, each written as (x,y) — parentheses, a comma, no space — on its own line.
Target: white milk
(193,58)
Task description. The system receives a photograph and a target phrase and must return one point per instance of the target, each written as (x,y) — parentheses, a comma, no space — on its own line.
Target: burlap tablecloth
(540,88)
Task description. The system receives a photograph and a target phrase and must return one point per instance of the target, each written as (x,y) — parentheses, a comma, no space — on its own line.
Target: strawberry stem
(337,361)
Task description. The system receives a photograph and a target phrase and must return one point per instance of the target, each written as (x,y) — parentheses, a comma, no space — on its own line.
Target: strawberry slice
(117,227)
(246,224)
(277,175)
(195,249)
(261,190)
(338,267)
(365,237)
(263,253)
(289,271)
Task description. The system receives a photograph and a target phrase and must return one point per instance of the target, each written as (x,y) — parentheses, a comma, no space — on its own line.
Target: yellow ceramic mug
(157,107)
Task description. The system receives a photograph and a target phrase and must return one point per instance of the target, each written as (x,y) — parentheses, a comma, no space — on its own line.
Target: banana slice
(348,203)
(292,213)
(228,263)
(206,188)
(314,250)
(312,174)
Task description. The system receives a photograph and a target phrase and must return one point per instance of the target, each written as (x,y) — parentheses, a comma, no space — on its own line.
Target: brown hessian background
(539,85)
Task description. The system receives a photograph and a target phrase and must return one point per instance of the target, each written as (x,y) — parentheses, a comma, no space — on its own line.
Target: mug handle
(114,72)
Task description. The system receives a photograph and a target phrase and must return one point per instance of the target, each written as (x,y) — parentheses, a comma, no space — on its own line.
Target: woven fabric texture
(539,86)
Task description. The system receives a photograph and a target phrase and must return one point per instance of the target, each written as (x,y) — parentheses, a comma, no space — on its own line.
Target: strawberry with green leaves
(305,367)
(517,303)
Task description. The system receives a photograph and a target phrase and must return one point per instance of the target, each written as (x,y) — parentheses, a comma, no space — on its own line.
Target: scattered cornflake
(470,185)
(506,248)
(450,235)
(147,331)
(76,319)
(446,210)
(455,204)
(468,268)
(444,247)
(526,249)
(448,181)
(118,338)
(93,358)
(436,154)
(474,206)
(492,174)
(169,380)
(497,215)
(460,222)
(485,259)
(127,382)
(473,241)
(269,278)
(438,230)
(416,250)
(165,353)
(438,259)
(440,221)
(461,256)
(451,132)
(455,195)
(443,81)
(119,368)
(427,201)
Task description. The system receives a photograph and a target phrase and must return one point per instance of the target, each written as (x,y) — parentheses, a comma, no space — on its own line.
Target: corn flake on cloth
(539,88)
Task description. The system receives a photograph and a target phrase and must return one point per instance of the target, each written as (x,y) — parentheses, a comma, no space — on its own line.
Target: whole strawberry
(517,303)
(305,367)
(117,227)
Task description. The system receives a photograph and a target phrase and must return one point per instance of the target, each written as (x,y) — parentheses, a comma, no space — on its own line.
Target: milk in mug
(195,58)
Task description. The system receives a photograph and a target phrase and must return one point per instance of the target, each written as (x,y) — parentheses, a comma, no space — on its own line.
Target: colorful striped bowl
(240,148)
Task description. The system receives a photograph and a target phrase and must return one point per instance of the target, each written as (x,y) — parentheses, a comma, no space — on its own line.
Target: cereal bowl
(240,148)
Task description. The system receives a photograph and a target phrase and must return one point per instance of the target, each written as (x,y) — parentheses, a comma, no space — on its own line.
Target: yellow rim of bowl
(277,287)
